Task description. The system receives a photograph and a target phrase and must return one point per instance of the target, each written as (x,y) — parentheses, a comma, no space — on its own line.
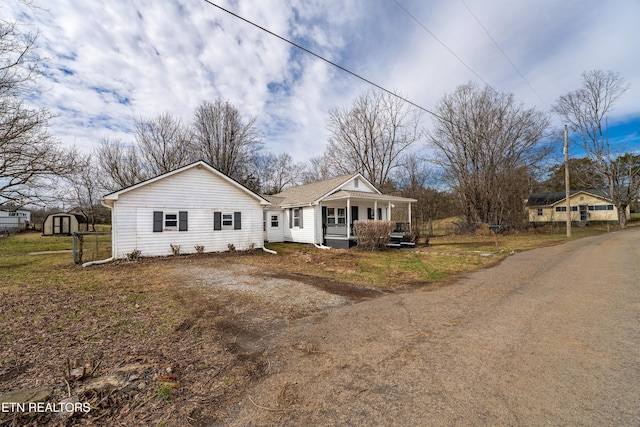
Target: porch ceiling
(362,195)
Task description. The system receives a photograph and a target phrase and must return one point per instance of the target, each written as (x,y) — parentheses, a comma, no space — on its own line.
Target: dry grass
(132,312)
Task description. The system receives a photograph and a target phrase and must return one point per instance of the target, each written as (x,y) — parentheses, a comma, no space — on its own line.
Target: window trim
(275,219)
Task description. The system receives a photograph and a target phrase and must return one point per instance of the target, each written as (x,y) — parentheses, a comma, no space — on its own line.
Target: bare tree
(370,136)
(85,191)
(163,144)
(119,165)
(277,172)
(224,139)
(587,110)
(29,156)
(417,181)
(488,146)
(317,169)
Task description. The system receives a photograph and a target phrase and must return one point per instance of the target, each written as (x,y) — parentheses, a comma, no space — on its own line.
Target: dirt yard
(311,337)
(167,341)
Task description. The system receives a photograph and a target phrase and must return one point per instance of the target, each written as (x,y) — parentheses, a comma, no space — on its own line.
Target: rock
(68,407)
(39,394)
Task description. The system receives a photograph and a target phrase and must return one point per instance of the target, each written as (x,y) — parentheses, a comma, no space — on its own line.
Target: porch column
(348,218)
(409,210)
(375,210)
(389,211)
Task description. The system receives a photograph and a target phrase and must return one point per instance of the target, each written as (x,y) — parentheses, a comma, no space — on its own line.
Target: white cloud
(111,63)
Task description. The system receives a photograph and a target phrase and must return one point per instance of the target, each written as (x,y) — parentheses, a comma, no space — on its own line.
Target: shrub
(134,255)
(373,235)
(199,249)
(231,247)
(175,249)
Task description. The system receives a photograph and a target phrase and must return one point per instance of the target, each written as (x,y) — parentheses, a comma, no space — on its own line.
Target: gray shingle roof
(309,193)
(548,199)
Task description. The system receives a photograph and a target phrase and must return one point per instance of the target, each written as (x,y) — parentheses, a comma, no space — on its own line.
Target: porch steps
(398,240)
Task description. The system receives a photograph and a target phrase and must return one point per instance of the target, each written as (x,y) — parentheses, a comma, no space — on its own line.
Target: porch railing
(336,229)
(402,227)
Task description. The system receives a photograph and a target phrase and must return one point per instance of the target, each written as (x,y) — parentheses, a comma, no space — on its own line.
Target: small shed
(64,223)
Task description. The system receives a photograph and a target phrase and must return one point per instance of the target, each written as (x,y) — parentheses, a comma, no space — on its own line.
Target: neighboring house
(324,212)
(586,205)
(64,223)
(195,205)
(14,219)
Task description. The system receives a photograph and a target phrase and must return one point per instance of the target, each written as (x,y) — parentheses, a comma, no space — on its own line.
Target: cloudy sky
(110,63)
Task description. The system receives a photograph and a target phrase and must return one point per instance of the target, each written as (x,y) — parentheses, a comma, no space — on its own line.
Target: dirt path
(550,336)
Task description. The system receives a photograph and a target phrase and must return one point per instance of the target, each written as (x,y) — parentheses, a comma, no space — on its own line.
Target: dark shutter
(237,220)
(370,213)
(182,221)
(217,220)
(300,216)
(290,217)
(380,213)
(157,221)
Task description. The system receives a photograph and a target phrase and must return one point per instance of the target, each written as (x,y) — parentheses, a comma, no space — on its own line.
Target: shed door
(61,225)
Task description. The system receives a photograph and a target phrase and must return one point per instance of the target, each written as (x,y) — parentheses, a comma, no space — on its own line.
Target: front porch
(342,209)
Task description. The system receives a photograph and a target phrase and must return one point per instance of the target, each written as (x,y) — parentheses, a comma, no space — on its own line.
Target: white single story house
(195,205)
(323,212)
(586,205)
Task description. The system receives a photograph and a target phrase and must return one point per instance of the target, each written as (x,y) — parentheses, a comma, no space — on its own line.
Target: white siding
(196,191)
(276,234)
(306,234)
(362,186)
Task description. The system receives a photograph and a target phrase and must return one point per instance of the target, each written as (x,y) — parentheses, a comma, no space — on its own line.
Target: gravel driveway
(549,337)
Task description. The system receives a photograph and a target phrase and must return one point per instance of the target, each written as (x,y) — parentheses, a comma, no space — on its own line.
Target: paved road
(548,337)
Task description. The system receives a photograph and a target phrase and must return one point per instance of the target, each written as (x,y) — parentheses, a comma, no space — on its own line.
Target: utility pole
(567,187)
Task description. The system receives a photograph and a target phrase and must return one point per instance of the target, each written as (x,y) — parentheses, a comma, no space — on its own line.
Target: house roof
(310,193)
(330,189)
(199,164)
(548,199)
(81,218)
(346,194)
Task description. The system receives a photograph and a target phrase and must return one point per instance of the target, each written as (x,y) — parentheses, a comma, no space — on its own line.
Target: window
(296,217)
(227,221)
(356,183)
(342,216)
(167,221)
(170,221)
(274,221)
(331,216)
(564,209)
(540,211)
(601,208)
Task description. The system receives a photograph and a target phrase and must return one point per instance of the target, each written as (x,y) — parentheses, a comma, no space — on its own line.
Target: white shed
(195,205)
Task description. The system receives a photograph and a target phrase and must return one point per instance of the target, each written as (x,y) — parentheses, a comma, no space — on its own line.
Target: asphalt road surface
(548,337)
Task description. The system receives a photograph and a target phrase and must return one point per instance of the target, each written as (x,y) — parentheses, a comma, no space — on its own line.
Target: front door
(584,214)
(61,225)
(354,216)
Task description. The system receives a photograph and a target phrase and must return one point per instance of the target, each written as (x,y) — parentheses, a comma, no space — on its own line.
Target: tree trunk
(622,216)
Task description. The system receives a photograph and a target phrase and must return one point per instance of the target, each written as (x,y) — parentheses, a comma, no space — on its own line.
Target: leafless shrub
(373,235)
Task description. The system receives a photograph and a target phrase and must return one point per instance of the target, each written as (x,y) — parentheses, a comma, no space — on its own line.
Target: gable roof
(199,164)
(316,191)
(548,199)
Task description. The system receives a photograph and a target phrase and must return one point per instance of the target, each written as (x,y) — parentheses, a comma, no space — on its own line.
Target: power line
(440,41)
(322,58)
(503,52)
